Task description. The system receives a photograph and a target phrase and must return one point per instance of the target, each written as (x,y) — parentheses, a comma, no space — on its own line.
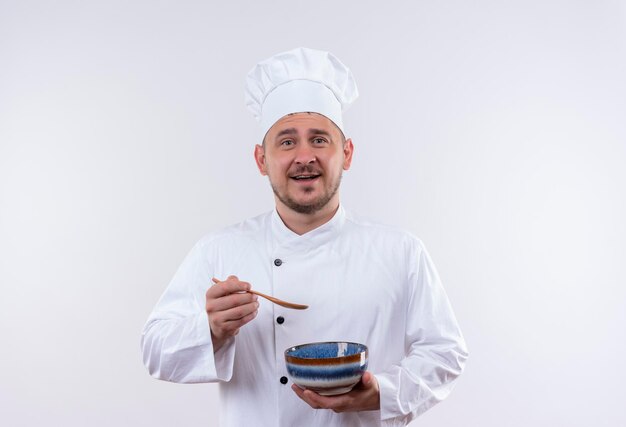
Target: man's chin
(306,205)
(303,201)
(306,197)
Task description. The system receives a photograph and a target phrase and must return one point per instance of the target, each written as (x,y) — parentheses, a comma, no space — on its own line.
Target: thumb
(366,379)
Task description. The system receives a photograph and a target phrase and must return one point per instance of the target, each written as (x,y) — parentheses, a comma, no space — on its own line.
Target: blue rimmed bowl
(327,368)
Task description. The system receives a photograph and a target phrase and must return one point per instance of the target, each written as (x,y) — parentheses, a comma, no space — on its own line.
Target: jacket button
(278,262)
(283,380)
(280,320)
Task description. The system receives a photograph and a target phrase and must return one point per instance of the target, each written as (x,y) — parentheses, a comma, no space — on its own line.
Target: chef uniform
(363,282)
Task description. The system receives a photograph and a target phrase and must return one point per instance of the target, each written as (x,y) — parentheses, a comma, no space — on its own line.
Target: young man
(363,282)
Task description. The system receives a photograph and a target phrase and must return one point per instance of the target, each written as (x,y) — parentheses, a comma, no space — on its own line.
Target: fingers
(228,301)
(229,286)
(306,397)
(227,295)
(365,396)
(341,403)
(228,323)
(233,314)
(317,401)
(229,307)
(366,380)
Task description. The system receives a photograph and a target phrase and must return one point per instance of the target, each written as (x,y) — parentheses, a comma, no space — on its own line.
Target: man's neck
(301,223)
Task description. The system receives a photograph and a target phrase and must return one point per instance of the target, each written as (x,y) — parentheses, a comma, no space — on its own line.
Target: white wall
(496,131)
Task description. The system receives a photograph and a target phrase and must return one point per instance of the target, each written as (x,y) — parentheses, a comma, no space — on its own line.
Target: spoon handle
(275,300)
(279,301)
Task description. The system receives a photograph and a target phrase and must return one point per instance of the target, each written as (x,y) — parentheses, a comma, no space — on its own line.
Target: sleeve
(436,352)
(176,339)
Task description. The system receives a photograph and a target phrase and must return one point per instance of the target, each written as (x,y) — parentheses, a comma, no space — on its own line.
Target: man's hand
(229,307)
(365,396)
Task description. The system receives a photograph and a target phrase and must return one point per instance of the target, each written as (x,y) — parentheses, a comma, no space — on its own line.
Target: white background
(494,130)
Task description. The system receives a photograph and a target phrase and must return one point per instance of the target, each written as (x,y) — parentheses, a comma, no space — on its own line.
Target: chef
(364,282)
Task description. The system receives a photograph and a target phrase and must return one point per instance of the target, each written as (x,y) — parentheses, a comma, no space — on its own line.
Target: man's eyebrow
(319,132)
(289,131)
(293,131)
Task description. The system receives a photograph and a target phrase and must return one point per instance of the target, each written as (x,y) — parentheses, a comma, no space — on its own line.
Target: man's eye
(319,140)
(287,142)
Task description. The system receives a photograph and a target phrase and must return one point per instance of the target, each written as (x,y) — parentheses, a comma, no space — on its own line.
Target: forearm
(436,354)
(181,350)
(424,378)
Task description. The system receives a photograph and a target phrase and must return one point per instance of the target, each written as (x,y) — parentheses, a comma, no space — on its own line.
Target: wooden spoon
(274,300)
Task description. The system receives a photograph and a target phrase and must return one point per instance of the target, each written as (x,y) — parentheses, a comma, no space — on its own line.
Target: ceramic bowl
(327,368)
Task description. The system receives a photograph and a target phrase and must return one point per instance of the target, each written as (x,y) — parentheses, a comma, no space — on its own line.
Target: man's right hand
(229,307)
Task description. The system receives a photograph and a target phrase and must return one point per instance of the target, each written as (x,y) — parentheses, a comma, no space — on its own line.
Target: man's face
(304,155)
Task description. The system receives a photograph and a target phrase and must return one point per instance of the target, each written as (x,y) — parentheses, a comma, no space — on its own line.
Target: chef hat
(297,81)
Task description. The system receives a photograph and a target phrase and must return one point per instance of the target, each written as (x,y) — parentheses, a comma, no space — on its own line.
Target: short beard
(311,208)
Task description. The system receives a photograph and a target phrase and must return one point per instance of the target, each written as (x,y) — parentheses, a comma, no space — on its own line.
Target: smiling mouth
(304,178)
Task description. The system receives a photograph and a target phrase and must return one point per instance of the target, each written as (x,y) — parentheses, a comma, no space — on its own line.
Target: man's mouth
(305,177)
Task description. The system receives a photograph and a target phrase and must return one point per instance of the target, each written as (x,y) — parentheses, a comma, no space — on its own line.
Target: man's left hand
(365,396)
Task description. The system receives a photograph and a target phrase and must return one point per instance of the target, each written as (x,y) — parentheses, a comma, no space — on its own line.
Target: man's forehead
(303,122)
(309,130)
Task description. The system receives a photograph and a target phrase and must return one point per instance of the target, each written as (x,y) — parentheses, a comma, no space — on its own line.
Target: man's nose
(305,155)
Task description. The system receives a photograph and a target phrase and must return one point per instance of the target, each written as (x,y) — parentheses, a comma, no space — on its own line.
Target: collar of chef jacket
(289,240)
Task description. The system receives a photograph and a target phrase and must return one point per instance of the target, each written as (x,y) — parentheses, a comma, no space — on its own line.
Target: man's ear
(348,150)
(259,157)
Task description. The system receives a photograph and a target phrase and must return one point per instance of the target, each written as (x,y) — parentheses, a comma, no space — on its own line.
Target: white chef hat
(297,81)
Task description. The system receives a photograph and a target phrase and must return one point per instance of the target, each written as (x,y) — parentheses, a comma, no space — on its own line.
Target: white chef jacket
(363,282)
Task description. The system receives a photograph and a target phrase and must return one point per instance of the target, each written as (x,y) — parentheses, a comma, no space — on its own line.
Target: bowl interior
(326,350)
